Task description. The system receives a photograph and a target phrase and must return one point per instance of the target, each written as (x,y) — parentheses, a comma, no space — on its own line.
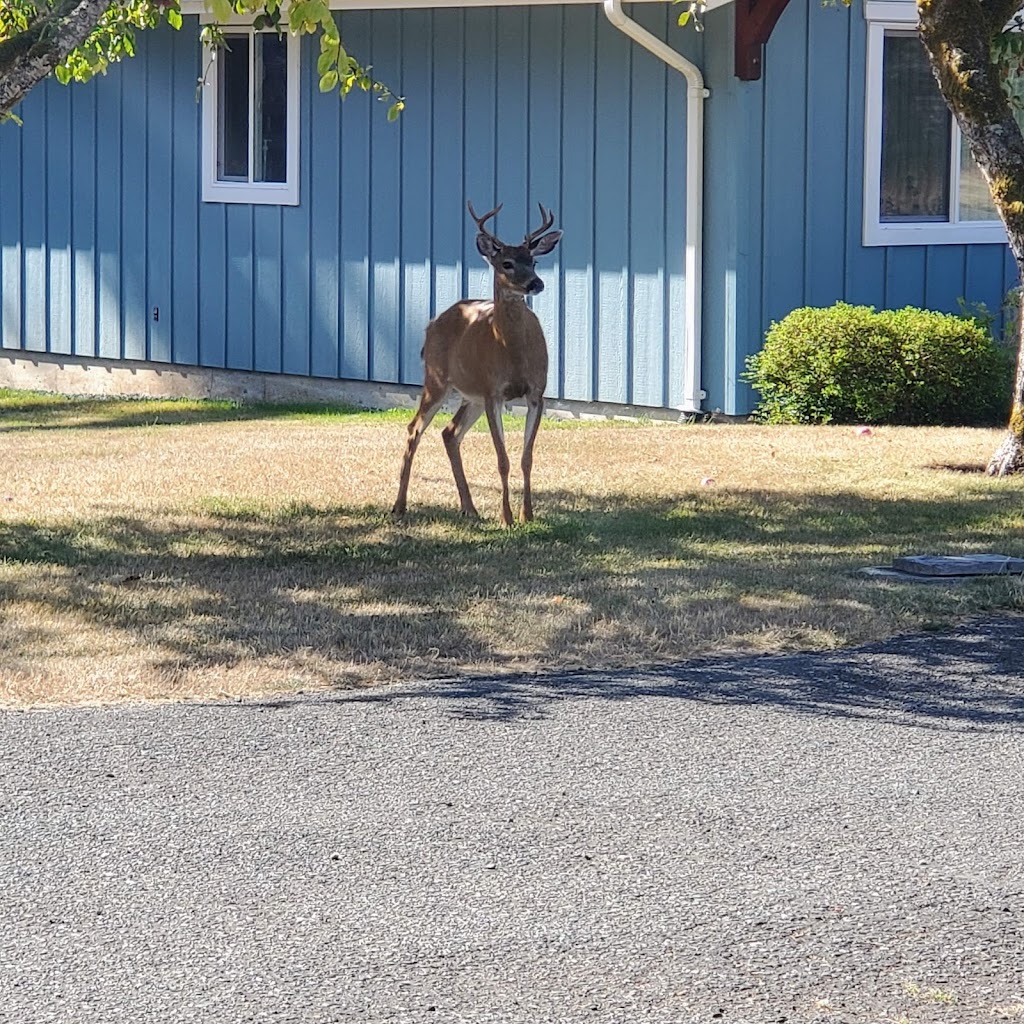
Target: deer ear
(487,246)
(545,244)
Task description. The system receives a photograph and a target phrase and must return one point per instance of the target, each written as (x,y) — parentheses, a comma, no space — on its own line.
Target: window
(251,120)
(921,185)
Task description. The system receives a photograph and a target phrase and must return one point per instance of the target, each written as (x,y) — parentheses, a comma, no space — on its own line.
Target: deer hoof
(470,513)
(526,515)
(398,511)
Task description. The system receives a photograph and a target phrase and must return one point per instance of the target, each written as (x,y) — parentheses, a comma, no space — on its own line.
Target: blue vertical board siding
(785,184)
(213,305)
(185,191)
(611,227)
(83,219)
(268,267)
(478,156)
(945,274)
(828,83)
(545,167)
(733,220)
(324,201)
(512,116)
(647,220)
(904,276)
(355,215)
(159,167)
(385,208)
(108,213)
(10,237)
(296,285)
(135,131)
(415,128)
(447,140)
(577,203)
(33,223)
(983,276)
(58,221)
(239,287)
(865,265)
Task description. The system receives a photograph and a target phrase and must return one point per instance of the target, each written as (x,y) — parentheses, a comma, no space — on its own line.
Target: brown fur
(490,352)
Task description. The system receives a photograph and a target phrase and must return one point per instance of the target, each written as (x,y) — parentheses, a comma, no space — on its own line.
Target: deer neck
(509,310)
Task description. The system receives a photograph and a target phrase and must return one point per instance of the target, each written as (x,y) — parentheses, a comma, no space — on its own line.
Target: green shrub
(850,364)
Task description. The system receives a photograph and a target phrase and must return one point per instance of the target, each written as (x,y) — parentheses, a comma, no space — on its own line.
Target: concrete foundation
(77,375)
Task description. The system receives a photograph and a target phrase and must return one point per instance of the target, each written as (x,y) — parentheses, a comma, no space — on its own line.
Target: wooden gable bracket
(755,20)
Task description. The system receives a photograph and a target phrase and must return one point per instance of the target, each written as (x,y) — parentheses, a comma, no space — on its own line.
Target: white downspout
(696,93)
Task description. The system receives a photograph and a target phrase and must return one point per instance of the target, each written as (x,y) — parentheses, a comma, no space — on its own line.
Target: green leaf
(62,74)
(395,109)
(684,18)
(174,18)
(221,9)
(328,81)
(325,63)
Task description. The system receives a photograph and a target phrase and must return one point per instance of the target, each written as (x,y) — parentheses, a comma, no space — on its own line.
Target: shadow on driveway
(971,678)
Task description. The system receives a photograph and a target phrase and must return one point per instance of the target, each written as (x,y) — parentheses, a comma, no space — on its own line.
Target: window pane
(233,110)
(916,136)
(975,197)
(271,108)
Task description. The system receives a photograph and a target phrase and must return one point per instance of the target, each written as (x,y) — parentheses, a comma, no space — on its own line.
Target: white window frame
(901,16)
(275,193)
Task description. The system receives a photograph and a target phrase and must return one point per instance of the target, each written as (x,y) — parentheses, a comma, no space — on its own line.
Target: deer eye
(508,265)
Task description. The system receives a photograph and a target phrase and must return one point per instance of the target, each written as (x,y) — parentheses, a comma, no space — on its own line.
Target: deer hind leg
(469,412)
(429,404)
(534,408)
(498,437)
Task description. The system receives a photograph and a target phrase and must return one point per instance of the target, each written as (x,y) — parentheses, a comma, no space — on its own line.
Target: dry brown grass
(224,556)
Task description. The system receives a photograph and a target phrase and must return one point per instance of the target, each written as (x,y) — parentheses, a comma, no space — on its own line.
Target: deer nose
(536,286)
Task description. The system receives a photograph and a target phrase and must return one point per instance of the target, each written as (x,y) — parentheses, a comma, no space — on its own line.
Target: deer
(490,352)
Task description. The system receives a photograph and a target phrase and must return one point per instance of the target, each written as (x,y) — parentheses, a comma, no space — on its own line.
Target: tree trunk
(958,35)
(26,59)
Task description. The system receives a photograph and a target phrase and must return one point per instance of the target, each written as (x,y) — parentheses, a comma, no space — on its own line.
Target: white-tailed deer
(490,352)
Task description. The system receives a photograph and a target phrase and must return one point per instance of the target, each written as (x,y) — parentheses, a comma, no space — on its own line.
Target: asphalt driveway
(833,838)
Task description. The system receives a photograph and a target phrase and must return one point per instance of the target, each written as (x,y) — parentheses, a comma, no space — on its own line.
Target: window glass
(233,110)
(271,119)
(975,197)
(916,136)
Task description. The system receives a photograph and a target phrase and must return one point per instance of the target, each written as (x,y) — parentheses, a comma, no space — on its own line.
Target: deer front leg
(468,414)
(429,404)
(535,406)
(498,437)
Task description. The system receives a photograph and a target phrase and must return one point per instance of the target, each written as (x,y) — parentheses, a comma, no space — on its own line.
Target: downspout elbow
(625,24)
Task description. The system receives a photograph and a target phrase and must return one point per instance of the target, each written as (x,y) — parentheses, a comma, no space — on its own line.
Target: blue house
(707,183)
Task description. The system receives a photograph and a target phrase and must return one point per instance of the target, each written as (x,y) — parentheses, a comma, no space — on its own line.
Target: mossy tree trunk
(958,35)
(26,58)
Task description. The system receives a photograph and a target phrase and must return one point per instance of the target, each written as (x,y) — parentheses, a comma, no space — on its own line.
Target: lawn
(163,550)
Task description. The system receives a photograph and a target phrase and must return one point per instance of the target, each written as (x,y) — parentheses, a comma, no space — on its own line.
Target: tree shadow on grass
(336,595)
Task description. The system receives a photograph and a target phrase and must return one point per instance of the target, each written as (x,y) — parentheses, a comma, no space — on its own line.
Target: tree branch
(29,57)
(999,12)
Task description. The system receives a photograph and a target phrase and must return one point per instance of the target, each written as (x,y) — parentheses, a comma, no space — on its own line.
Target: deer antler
(480,221)
(548,219)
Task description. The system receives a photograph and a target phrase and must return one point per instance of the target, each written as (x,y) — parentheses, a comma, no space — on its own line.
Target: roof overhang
(755,19)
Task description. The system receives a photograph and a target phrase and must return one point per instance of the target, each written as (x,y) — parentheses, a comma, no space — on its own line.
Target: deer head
(515,265)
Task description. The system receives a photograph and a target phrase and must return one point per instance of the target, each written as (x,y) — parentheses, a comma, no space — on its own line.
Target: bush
(850,364)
